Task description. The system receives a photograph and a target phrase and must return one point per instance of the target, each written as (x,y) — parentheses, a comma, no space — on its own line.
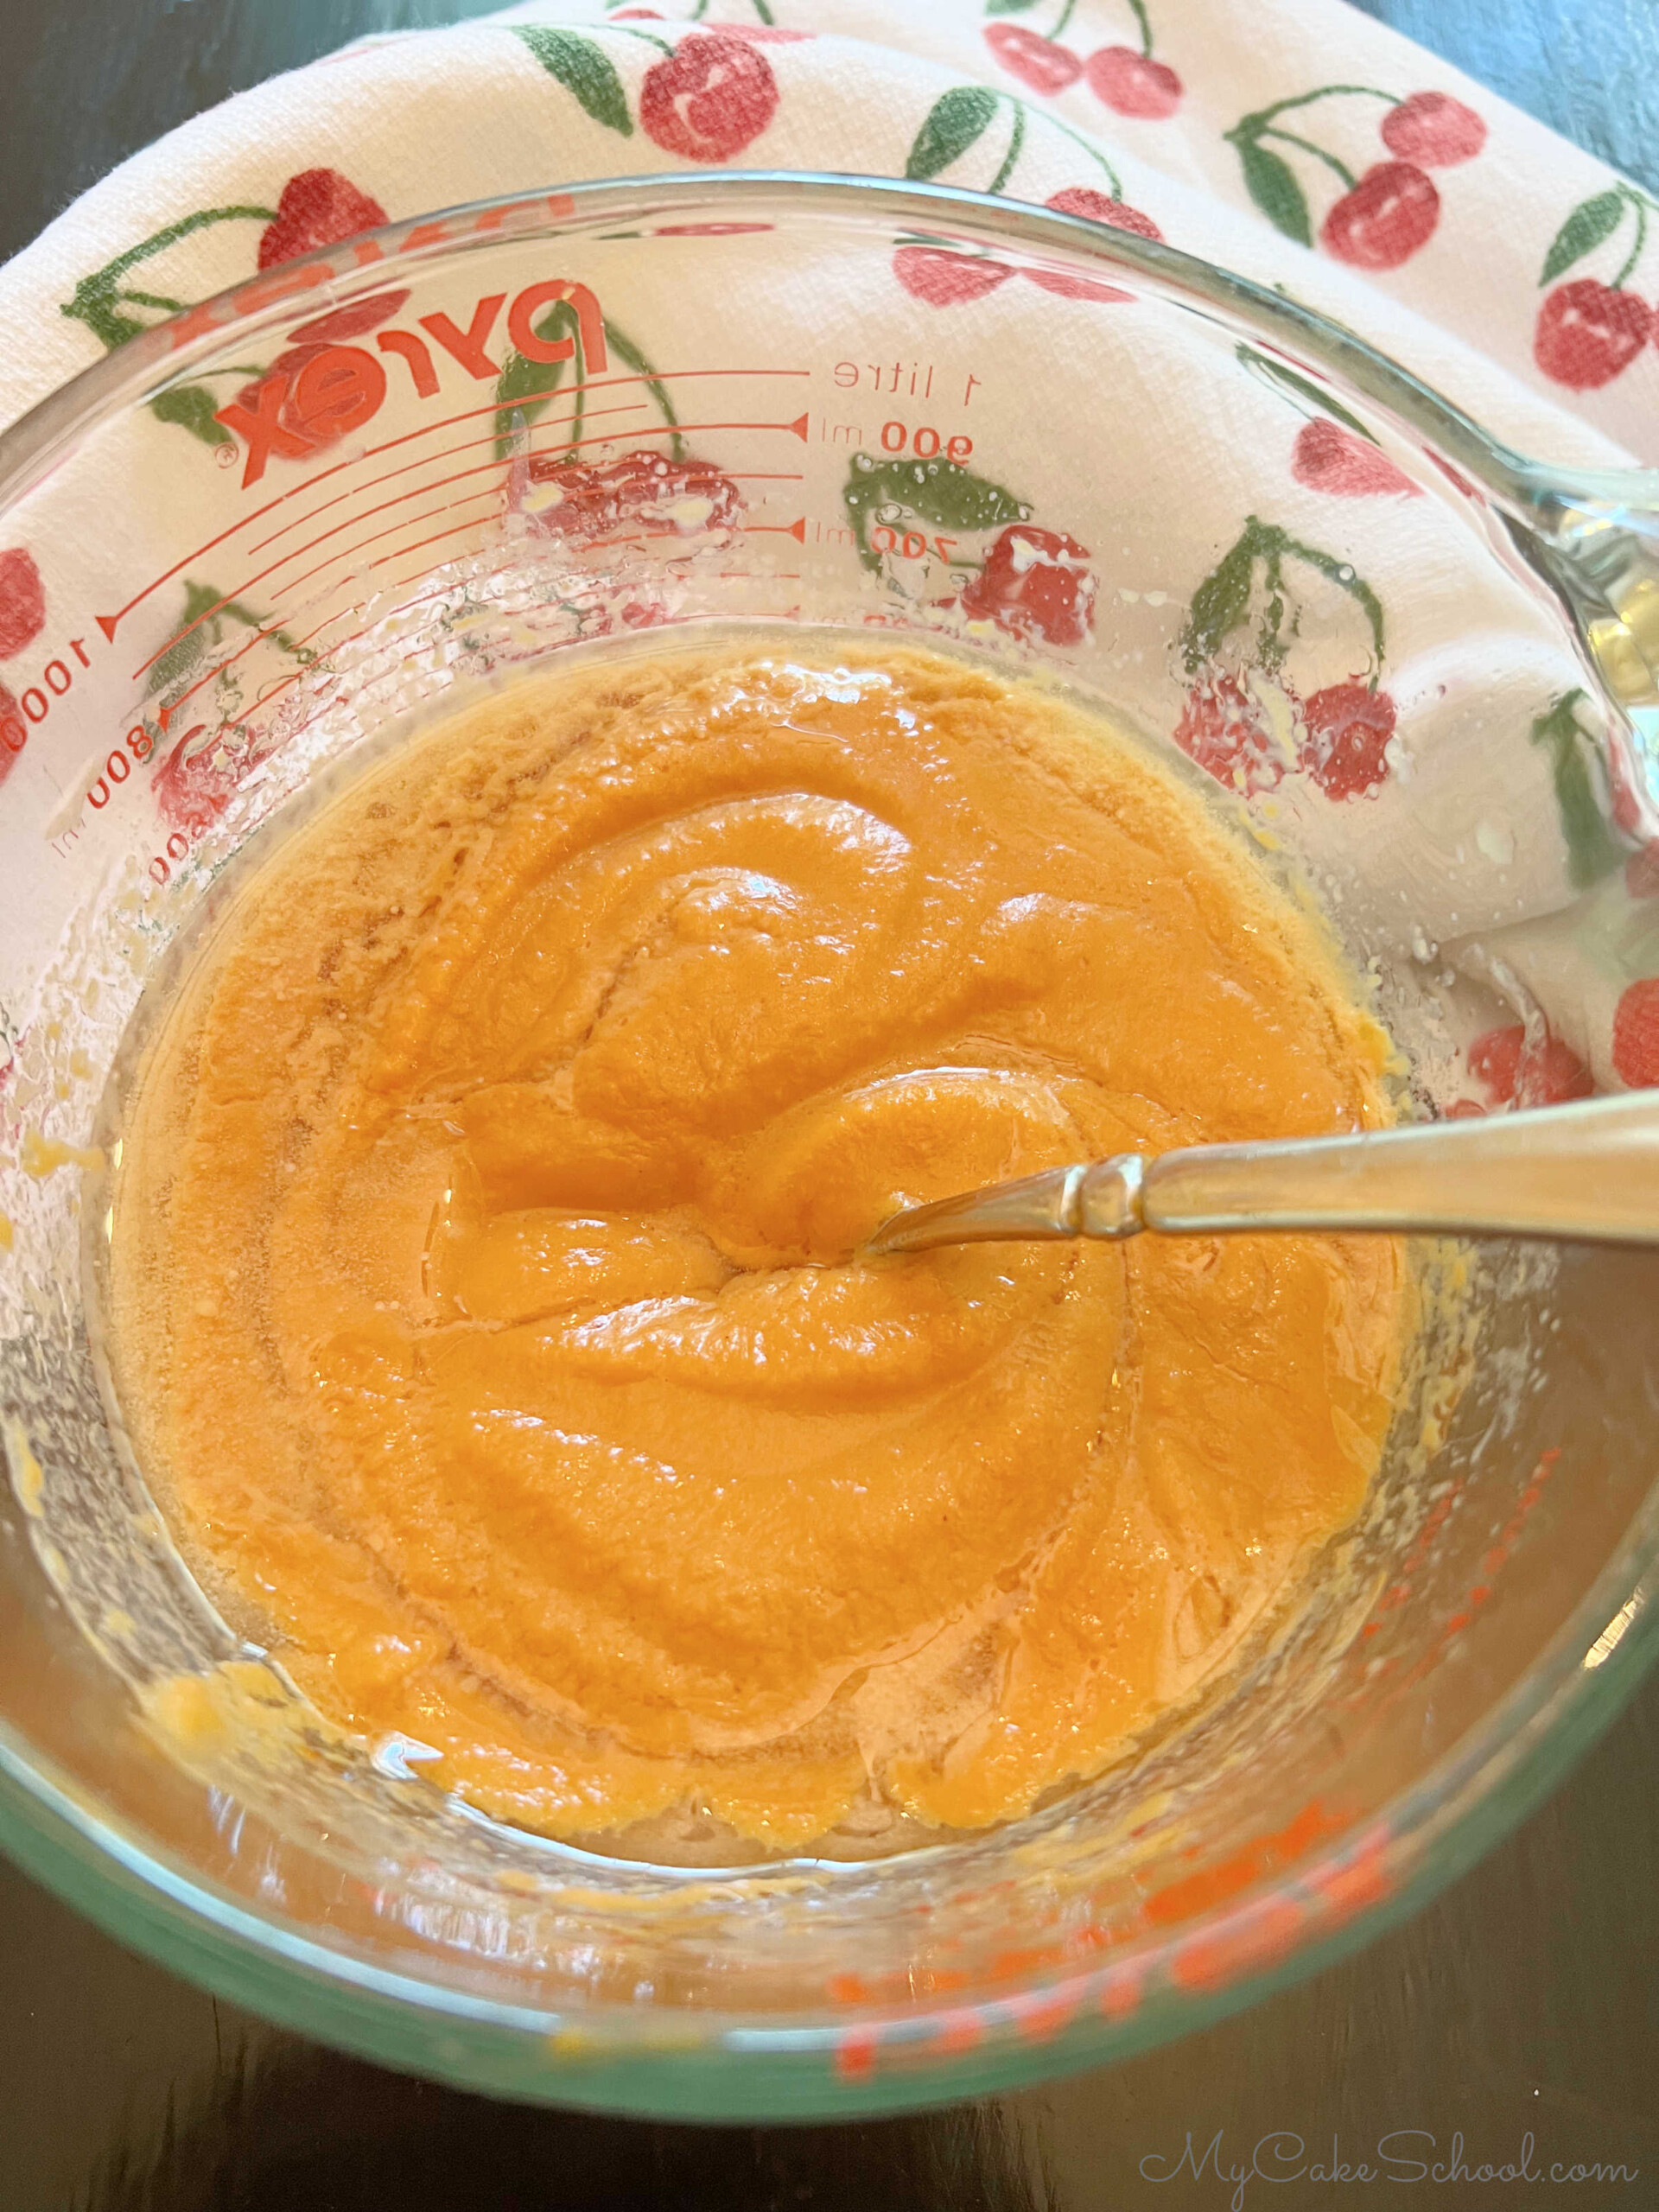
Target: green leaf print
(104,303)
(192,408)
(1272,184)
(201,627)
(1592,851)
(624,349)
(585,71)
(524,387)
(179,660)
(99,300)
(1009,7)
(1262,365)
(939,492)
(956,118)
(1222,602)
(1583,230)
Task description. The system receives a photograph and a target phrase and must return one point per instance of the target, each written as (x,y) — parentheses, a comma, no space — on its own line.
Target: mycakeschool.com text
(1405,2154)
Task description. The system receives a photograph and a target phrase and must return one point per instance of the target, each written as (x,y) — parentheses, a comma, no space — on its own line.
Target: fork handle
(1585,1173)
(1588,1171)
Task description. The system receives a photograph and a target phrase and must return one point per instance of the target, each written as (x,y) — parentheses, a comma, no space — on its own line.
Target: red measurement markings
(108,623)
(300,728)
(167,712)
(34,702)
(430,460)
(437,538)
(415,492)
(170,709)
(797,530)
(438,591)
(160,862)
(441,591)
(408,522)
(796,429)
(341,614)
(1491,1563)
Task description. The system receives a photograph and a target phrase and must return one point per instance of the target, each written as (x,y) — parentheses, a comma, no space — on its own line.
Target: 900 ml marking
(925,443)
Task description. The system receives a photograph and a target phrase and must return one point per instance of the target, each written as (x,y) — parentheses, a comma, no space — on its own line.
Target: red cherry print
(1348,731)
(196,781)
(1588,333)
(1625,806)
(346,323)
(712,97)
(1636,1034)
(1132,83)
(318,207)
(1454,476)
(1495,1061)
(1098,207)
(643,491)
(1069,286)
(1223,730)
(1642,873)
(1383,221)
(1034,583)
(1328,458)
(14,733)
(1514,1073)
(22,601)
(285,365)
(1036,62)
(192,787)
(1434,129)
(943,279)
(1095,207)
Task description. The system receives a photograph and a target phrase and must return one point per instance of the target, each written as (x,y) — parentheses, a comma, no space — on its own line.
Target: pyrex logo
(325,390)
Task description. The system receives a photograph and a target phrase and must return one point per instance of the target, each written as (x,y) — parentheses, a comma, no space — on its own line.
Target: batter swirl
(483,1296)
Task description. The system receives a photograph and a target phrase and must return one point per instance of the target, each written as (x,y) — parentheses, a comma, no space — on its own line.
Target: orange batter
(483,1299)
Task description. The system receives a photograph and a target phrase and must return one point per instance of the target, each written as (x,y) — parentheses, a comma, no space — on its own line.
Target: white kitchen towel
(1294,140)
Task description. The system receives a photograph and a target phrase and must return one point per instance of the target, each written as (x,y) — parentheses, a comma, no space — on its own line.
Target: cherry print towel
(1294,140)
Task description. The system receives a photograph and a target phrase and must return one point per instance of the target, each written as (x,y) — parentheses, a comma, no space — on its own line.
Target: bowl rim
(860,2058)
(332,275)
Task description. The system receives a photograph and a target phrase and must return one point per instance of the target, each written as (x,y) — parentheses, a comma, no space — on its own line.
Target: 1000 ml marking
(33,704)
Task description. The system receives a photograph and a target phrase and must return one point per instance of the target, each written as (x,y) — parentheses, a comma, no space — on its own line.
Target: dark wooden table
(1524,2003)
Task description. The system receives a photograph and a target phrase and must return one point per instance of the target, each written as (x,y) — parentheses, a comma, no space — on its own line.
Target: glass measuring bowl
(274,532)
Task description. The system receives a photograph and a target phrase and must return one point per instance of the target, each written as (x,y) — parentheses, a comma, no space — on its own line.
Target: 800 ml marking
(119,766)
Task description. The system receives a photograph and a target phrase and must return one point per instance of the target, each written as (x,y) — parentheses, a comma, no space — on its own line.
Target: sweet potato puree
(483,1299)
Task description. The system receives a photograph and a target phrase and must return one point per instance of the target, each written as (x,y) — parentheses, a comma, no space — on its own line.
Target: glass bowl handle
(1595,537)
